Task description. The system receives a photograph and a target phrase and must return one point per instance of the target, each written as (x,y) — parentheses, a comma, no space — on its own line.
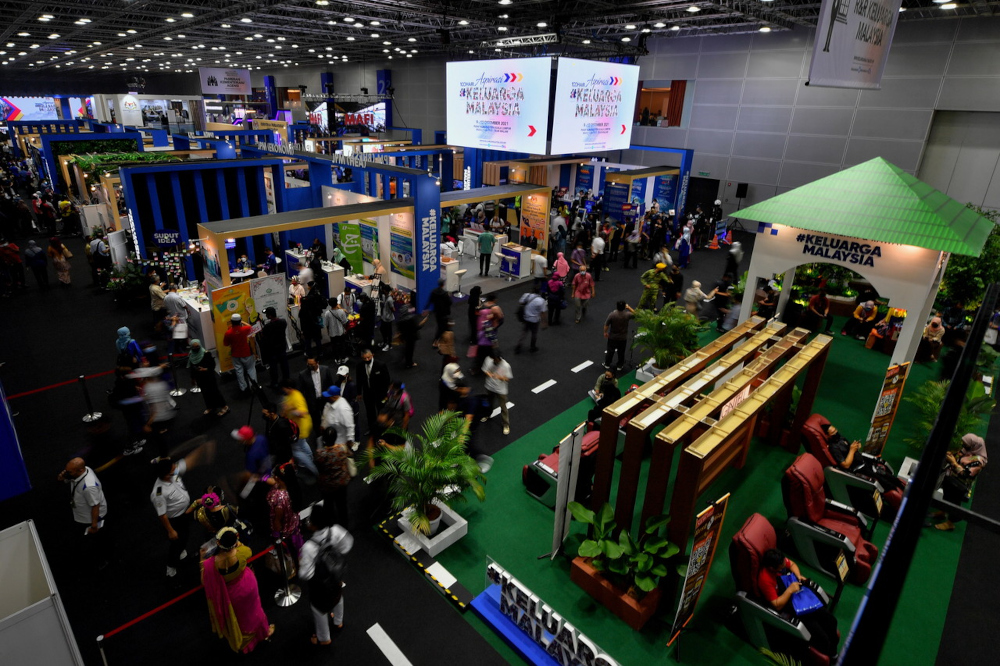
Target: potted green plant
(670,334)
(619,571)
(928,399)
(431,471)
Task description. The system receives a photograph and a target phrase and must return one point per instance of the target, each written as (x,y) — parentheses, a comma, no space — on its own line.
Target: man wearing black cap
(273,345)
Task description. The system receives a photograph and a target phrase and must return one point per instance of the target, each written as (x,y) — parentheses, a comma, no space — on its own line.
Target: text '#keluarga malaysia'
(839,249)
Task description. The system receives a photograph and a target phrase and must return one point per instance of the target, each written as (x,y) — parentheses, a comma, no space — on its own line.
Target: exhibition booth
(630,193)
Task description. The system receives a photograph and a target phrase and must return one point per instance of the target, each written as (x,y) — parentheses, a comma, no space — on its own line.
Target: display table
(239,276)
(334,279)
(359,283)
(450,267)
(471,245)
(295,260)
(515,261)
(199,317)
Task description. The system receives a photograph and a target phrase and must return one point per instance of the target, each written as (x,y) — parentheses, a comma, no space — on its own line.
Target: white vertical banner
(852,43)
(568,472)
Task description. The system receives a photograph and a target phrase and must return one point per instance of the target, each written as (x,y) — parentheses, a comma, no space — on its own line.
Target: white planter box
(454,528)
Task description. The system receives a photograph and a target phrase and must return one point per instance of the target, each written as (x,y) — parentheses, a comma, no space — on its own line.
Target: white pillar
(787,283)
(917,313)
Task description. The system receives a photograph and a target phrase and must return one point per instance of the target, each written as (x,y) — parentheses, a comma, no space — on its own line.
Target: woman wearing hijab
(959,474)
(232,593)
(733,259)
(684,248)
(557,298)
(203,370)
(60,256)
(861,323)
(930,342)
(129,352)
(36,260)
(693,298)
(447,394)
(560,268)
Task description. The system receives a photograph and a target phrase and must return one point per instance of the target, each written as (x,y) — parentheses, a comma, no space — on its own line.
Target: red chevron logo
(623,130)
(533,130)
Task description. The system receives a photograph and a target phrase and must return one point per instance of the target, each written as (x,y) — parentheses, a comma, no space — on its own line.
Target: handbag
(805,600)
(273,564)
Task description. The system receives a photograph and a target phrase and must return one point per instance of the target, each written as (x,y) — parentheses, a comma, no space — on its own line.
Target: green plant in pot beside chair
(670,334)
(635,566)
(433,465)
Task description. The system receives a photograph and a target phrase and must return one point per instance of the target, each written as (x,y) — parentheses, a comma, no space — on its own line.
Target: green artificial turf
(515,529)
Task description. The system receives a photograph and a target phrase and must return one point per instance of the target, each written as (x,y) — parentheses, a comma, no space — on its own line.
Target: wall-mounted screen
(28,108)
(499,104)
(594,106)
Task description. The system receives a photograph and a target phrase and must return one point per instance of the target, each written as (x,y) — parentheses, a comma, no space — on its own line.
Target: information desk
(515,261)
(450,267)
(199,317)
(294,262)
(471,245)
(359,283)
(334,278)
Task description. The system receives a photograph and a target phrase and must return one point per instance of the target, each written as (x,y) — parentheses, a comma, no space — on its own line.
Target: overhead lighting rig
(528,40)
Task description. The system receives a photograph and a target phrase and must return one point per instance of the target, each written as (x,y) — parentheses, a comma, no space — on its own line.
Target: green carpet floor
(514,529)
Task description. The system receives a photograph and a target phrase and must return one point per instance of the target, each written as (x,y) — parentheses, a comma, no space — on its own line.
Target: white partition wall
(33,625)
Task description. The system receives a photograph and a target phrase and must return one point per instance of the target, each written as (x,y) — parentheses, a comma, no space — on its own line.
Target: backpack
(325,587)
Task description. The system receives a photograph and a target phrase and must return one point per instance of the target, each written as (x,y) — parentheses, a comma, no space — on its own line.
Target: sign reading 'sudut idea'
(852,43)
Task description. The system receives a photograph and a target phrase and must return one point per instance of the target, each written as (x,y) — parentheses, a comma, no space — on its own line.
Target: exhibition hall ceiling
(167,35)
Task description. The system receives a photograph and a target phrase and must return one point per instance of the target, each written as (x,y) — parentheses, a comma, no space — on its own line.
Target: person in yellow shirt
(295,409)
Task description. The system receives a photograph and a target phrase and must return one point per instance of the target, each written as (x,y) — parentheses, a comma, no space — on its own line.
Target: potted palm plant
(431,471)
(670,334)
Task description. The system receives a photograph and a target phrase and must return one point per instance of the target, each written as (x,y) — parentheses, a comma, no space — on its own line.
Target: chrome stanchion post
(288,594)
(91,415)
(177,390)
(100,647)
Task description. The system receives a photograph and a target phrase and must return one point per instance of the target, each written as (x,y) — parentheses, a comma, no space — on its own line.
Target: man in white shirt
(338,414)
(597,255)
(498,375)
(539,266)
(89,508)
(171,500)
(326,599)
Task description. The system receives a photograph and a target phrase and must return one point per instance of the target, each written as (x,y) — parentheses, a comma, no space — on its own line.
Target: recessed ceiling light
(122,34)
(375,35)
(375,23)
(765,28)
(387,43)
(322,3)
(10,44)
(168,39)
(181,36)
(675,27)
(949,5)
(84,20)
(246,20)
(33,46)
(542,24)
(350,39)
(626,39)
(506,2)
(502,28)
(24,34)
(694,9)
(187,15)
(225,25)
(171,20)
(505,16)
(412,39)
(348,19)
(463,22)
(586,41)
(130,31)
(630,26)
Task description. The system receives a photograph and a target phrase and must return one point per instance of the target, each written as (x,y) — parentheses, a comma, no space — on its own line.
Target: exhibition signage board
(227,301)
(369,240)
(268,292)
(167,238)
(664,191)
(499,104)
(638,194)
(615,197)
(224,81)
(594,105)
(852,43)
(27,108)
(349,241)
(516,612)
(213,268)
(278,128)
(535,219)
(707,531)
(885,410)
(584,178)
(401,249)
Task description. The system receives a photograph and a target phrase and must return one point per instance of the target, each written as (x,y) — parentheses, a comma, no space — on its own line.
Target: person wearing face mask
(202,366)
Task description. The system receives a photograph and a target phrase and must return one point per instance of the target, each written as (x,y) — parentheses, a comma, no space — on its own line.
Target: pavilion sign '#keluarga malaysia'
(839,249)
(560,640)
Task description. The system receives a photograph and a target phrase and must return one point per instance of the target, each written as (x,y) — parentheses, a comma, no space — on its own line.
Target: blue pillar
(440,137)
(67,110)
(687,157)
(271,96)
(426,237)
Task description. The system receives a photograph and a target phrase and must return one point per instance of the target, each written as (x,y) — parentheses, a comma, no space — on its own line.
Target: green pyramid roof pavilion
(877,201)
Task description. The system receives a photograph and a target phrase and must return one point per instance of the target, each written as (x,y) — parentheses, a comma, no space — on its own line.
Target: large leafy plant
(670,334)
(434,465)
(928,400)
(635,565)
(966,277)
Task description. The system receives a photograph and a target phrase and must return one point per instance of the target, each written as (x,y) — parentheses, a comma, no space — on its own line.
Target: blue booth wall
(51,164)
(18,127)
(13,473)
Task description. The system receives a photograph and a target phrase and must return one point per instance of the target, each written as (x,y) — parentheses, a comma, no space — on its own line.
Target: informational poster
(885,410)
(852,43)
(615,196)
(707,532)
(272,207)
(268,292)
(369,240)
(81,107)
(401,252)
(639,190)
(664,191)
(213,268)
(227,301)
(584,178)
(348,239)
(278,128)
(535,220)
(499,104)
(28,108)
(594,106)
(224,81)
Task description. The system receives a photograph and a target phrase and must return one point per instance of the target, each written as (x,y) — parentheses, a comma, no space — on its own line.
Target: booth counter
(199,317)
(334,275)
(450,267)
(359,283)
(471,244)
(515,261)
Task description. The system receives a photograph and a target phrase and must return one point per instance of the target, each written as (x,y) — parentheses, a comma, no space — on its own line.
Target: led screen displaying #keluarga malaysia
(499,104)
(594,106)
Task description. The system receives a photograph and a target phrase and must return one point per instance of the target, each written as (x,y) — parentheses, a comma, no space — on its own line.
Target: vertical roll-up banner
(852,43)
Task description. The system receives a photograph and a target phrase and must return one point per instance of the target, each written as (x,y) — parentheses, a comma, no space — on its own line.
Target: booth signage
(268,292)
(584,178)
(167,238)
(349,239)
(664,190)
(429,252)
(561,640)
(224,81)
(852,42)
(839,249)
(369,240)
(615,197)
(885,409)
(213,267)
(227,301)
(401,251)
(594,103)
(535,219)
(639,190)
(707,531)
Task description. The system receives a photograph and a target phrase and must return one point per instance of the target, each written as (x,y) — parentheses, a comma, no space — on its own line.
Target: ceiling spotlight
(626,39)
(350,39)
(505,16)
(246,20)
(225,25)
(171,20)
(122,34)
(586,41)
(322,3)
(54,36)
(348,19)
(765,28)
(694,9)
(675,27)
(24,34)
(412,39)
(630,26)
(375,35)
(542,24)
(502,28)
(646,31)
(387,43)
(949,5)
(130,31)
(902,9)
(187,15)
(506,2)
(375,23)
(463,22)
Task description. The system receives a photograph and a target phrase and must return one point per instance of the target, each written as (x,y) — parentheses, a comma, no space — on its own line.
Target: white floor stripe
(496,411)
(542,387)
(582,366)
(389,649)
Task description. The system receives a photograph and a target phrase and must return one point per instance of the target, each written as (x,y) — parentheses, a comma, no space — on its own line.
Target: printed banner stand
(227,301)
(707,530)
(852,43)
(569,470)
(885,409)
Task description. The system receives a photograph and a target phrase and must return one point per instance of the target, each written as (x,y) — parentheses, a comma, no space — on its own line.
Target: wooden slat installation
(666,381)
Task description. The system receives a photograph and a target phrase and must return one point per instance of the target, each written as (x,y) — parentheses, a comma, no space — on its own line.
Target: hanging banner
(213,269)
(852,43)
(369,240)
(348,238)
(401,246)
(885,410)
(664,191)
(28,108)
(224,81)
(584,178)
(615,196)
(594,105)
(268,292)
(707,530)
(535,220)
(227,301)
(639,190)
